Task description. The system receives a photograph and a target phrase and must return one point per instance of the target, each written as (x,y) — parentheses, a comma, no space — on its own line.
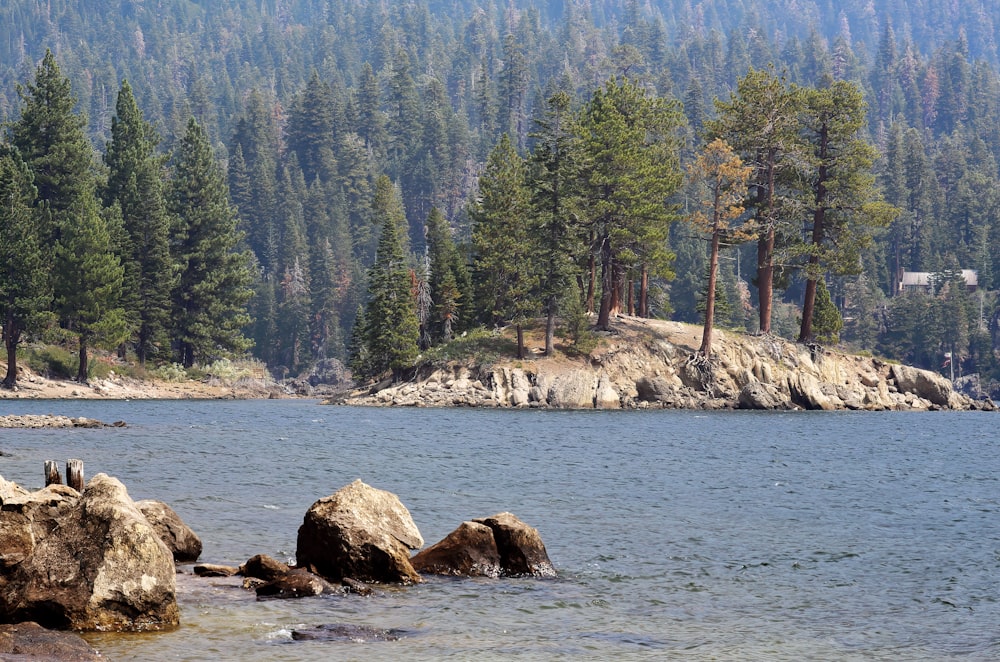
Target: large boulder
(757,395)
(30,641)
(923,383)
(522,552)
(572,390)
(809,393)
(654,389)
(182,542)
(84,562)
(359,532)
(501,545)
(468,551)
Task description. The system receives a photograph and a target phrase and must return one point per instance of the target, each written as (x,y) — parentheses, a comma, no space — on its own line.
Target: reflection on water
(678,535)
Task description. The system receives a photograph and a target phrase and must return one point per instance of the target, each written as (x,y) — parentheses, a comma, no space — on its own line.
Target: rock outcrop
(501,545)
(653,363)
(182,542)
(84,562)
(361,533)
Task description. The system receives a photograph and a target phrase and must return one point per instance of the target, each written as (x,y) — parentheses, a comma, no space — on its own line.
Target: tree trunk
(713,267)
(765,251)
(81,373)
(765,278)
(520,341)
(11,336)
(550,327)
(819,219)
(592,283)
(617,289)
(644,292)
(630,287)
(607,287)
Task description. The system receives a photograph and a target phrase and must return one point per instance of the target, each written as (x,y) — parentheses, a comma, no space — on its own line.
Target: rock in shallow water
(182,542)
(30,641)
(501,545)
(84,562)
(347,633)
(359,532)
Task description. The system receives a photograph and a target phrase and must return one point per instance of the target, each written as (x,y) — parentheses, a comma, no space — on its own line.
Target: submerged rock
(215,570)
(348,633)
(359,532)
(30,641)
(297,583)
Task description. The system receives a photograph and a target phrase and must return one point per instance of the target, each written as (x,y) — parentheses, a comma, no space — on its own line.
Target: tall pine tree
(389,329)
(209,300)
(135,183)
(25,289)
(504,276)
(88,280)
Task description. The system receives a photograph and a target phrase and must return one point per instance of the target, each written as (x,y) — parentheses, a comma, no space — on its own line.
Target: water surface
(677,535)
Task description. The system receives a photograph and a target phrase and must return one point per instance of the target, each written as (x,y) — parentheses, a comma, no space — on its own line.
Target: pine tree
(135,183)
(555,181)
(294,302)
(630,147)
(760,123)
(722,177)
(209,300)
(390,328)
(826,319)
(52,141)
(312,130)
(503,253)
(25,288)
(446,275)
(846,208)
(88,280)
(87,275)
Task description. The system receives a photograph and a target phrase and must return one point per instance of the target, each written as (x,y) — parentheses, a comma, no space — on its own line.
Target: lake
(677,535)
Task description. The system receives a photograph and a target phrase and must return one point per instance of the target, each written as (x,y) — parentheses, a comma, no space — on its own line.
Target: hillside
(309,106)
(649,364)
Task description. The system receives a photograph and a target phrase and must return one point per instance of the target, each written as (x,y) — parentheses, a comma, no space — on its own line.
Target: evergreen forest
(300,180)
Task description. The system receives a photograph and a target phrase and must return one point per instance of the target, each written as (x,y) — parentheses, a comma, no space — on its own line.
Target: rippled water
(678,535)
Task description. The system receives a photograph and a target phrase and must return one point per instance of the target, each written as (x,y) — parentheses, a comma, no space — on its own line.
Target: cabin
(922,281)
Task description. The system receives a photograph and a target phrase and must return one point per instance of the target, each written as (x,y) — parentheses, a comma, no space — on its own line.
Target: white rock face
(650,363)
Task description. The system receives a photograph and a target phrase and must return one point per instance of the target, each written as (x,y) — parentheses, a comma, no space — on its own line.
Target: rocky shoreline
(653,364)
(39,421)
(90,559)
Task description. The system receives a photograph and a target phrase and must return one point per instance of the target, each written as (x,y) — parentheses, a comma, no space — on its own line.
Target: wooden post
(74,474)
(52,476)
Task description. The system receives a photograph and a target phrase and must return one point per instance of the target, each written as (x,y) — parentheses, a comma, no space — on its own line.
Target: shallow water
(677,535)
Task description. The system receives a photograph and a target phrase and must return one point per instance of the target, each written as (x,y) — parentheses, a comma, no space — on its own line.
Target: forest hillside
(325,161)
